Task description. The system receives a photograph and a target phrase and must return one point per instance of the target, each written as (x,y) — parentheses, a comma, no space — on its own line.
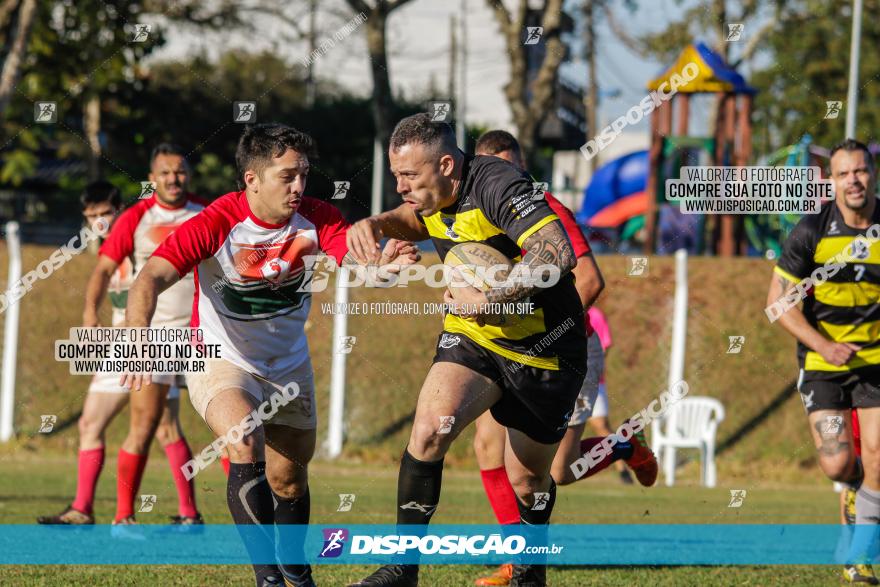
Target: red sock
(178,455)
(501,495)
(130,471)
(90,464)
(586,445)
(224,462)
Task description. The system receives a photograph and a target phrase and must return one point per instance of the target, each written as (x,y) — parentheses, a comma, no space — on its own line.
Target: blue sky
(418,44)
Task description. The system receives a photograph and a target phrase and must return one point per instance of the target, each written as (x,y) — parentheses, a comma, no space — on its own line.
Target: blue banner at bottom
(636,544)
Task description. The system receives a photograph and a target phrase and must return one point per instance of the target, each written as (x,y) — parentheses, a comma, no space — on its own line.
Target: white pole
(337,368)
(852,94)
(679,318)
(378,178)
(679,332)
(10,335)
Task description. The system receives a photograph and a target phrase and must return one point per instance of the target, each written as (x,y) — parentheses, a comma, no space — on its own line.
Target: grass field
(764,444)
(34,485)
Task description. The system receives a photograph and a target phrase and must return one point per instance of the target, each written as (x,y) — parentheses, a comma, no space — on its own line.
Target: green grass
(393,353)
(774,459)
(35,485)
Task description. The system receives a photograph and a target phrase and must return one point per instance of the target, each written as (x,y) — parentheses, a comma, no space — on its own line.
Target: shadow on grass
(757,419)
(392,428)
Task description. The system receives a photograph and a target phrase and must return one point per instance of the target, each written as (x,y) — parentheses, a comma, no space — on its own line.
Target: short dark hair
(260,143)
(851,145)
(497,141)
(420,129)
(166,149)
(99,192)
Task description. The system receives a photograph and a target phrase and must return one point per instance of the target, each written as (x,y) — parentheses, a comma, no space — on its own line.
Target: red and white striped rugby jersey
(137,233)
(247,276)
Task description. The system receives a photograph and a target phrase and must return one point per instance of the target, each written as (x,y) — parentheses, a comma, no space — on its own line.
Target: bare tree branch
(755,41)
(543,87)
(6,11)
(528,114)
(633,44)
(18,46)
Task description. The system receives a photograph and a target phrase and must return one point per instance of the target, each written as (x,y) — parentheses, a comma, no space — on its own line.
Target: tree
(77,55)
(16,20)
(530,101)
(377,13)
(809,66)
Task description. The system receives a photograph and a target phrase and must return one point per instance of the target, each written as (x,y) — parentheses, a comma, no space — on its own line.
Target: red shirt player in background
(490,435)
(134,237)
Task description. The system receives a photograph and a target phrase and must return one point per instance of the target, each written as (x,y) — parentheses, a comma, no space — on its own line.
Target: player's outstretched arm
(96,289)
(364,235)
(588,279)
(794,321)
(549,245)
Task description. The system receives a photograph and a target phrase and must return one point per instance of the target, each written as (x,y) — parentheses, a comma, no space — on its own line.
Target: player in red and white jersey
(136,234)
(249,250)
(102,201)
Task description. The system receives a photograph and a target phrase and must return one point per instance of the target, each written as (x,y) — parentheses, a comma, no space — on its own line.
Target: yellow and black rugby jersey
(844,308)
(498,206)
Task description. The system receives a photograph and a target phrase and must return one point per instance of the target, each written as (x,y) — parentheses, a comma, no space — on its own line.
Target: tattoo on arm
(548,246)
(783,283)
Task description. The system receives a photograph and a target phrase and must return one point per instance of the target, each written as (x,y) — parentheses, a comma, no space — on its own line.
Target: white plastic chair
(692,422)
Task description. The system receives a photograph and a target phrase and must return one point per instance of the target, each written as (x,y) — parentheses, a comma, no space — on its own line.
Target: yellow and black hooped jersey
(498,206)
(846,306)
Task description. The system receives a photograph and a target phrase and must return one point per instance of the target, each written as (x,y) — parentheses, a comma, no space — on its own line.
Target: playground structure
(765,233)
(615,196)
(730,144)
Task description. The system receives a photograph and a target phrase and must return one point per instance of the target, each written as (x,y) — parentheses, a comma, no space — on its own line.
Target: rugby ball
(479,266)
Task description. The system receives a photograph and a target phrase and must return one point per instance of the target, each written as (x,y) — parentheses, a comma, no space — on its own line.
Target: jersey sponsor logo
(566,419)
(833,228)
(807,398)
(447,341)
(273,262)
(273,270)
(425,509)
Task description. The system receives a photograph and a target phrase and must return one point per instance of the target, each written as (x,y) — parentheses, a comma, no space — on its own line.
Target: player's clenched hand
(363,239)
(838,353)
(467,300)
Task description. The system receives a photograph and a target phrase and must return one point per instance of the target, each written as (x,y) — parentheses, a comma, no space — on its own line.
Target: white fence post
(10,335)
(337,369)
(679,334)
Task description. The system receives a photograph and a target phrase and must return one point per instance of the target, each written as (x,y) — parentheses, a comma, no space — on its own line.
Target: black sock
(418,489)
(250,503)
(292,510)
(539,517)
(529,515)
